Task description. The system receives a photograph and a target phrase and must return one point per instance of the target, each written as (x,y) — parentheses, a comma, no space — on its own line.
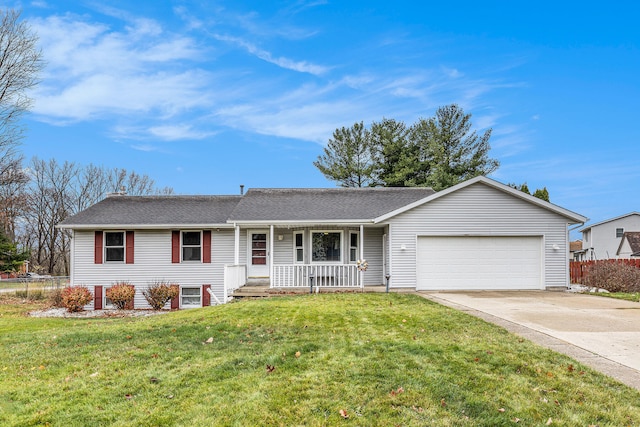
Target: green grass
(627,296)
(385,359)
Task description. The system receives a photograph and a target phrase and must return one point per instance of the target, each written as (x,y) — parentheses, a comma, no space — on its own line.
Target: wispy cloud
(289,64)
(94,71)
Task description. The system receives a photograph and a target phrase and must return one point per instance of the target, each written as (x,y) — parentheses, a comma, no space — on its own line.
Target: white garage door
(465,263)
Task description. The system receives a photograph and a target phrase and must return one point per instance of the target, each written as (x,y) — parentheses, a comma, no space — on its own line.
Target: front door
(258,254)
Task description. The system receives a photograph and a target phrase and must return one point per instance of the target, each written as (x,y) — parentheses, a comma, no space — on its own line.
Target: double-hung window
(619,232)
(298,242)
(114,246)
(354,253)
(191,246)
(326,246)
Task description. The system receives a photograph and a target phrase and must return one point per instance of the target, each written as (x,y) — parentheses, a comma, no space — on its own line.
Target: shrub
(159,293)
(613,277)
(121,294)
(74,298)
(55,298)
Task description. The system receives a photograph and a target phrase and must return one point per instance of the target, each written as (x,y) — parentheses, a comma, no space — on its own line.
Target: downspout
(362,254)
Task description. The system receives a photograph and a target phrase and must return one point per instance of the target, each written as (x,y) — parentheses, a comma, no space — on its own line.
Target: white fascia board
(142,226)
(608,220)
(302,223)
(573,216)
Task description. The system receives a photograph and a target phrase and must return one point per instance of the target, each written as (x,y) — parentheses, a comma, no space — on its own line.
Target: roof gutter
(141,226)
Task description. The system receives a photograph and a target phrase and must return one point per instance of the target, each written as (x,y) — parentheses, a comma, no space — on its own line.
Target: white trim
(104,298)
(270,251)
(104,247)
(303,223)
(236,245)
(358,247)
(201,246)
(361,242)
(143,226)
(588,227)
(491,183)
(311,261)
(72,259)
(198,287)
(264,267)
(296,247)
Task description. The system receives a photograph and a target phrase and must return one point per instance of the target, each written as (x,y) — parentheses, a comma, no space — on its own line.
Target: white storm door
(258,253)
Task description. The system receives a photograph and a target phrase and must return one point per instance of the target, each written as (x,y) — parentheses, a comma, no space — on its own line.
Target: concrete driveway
(603,333)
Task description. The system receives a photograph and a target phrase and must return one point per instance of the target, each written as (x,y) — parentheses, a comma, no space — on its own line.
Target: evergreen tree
(347,158)
(11,258)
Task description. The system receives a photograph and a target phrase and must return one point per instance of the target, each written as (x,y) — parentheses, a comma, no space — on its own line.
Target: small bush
(55,298)
(74,298)
(613,277)
(121,294)
(159,293)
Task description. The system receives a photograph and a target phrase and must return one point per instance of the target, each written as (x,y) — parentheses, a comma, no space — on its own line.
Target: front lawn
(328,359)
(627,296)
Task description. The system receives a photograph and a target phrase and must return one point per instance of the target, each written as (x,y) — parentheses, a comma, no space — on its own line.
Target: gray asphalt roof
(305,204)
(161,210)
(314,204)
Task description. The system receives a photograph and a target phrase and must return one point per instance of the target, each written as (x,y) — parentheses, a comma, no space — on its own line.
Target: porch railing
(316,275)
(235,276)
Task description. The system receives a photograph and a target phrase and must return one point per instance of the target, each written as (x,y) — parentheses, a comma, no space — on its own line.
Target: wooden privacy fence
(577,269)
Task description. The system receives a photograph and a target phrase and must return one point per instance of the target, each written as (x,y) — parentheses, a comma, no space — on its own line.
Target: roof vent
(241,189)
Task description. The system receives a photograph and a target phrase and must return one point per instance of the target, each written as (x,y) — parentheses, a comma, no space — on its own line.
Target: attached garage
(479,262)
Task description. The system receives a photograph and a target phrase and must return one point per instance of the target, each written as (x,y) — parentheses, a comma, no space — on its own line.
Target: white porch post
(361,244)
(270,255)
(236,247)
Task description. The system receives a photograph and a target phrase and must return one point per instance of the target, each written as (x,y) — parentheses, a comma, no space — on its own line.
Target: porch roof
(323,205)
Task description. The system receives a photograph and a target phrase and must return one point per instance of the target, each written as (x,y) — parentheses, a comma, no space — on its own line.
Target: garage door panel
(477,262)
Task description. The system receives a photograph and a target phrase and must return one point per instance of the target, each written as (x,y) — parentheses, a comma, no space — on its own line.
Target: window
(191,246)
(190,297)
(299,246)
(619,232)
(353,247)
(259,249)
(107,303)
(325,246)
(114,246)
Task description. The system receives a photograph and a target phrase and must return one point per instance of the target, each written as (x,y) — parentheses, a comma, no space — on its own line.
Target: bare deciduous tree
(57,191)
(20,63)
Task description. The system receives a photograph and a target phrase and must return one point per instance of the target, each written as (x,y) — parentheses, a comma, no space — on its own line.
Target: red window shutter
(97,297)
(206,246)
(129,305)
(97,256)
(206,296)
(175,248)
(129,247)
(175,302)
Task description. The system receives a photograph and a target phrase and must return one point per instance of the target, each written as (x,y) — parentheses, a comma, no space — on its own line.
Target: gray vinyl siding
(152,261)
(477,210)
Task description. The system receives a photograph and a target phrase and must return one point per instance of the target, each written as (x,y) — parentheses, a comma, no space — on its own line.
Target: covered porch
(307,257)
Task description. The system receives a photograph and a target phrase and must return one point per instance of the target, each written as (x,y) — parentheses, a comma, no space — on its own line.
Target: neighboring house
(602,240)
(479,234)
(629,245)
(575,250)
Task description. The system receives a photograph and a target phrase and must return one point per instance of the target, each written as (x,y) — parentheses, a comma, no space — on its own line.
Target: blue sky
(205,95)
